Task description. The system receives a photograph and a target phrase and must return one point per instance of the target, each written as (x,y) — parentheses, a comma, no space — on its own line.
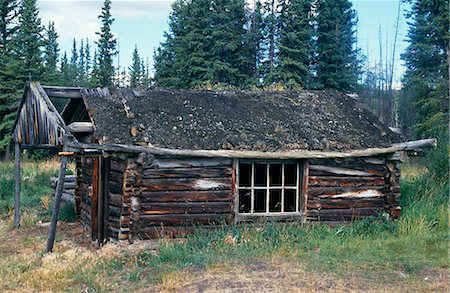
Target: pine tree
(51,55)
(87,56)
(337,62)
(82,64)
(425,83)
(135,69)
(254,39)
(269,42)
(8,14)
(295,49)
(8,82)
(65,71)
(107,47)
(205,46)
(23,60)
(73,67)
(93,80)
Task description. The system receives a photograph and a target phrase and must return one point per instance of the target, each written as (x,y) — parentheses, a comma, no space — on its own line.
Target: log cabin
(155,162)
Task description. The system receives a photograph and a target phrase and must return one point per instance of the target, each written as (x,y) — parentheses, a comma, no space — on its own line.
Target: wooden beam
(56,204)
(63,92)
(81,127)
(17,186)
(296,154)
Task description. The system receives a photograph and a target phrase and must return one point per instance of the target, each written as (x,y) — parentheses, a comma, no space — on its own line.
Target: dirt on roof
(236,120)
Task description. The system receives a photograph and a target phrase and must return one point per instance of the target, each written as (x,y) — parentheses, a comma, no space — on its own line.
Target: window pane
(275,174)
(260,201)
(289,200)
(275,200)
(245,175)
(260,174)
(244,201)
(290,174)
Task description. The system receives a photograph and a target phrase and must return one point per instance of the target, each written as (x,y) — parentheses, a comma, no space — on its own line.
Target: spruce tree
(21,61)
(269,42)
(254,39)
(135,69)
(107,47)
(337,62)
(87,56)
(73,67)
(51,55)
(205,46)
(9,83)
(65,71)
(82,64)
(295,49)
(425,83)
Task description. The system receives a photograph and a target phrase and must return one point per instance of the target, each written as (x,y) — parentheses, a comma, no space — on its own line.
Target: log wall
(344,190)
(171,196)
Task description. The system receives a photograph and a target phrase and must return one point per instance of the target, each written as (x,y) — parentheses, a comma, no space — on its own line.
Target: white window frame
(298,187)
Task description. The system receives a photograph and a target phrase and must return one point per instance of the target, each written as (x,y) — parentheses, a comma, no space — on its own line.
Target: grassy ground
(374,255)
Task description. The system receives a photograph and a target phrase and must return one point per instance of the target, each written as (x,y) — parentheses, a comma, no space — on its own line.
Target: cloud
(79,19)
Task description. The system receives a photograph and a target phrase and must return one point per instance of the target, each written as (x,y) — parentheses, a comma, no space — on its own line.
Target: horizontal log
(185,208)
(187,173)
(380,161)
(186,195)
(186,184)
(114,211)
(186,163)
(62,92)
(115,198)
(338,171)
(295,154)
(345,191)
(346,181)
(81,127)
(345,203)
(342,214)
(183,219)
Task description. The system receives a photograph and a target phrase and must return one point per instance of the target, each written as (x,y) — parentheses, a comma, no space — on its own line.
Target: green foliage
(136,70)
(295,43)
(35,185)
(51,55)
(67,212)
(188,59)
(336,61)
(107,48)
(20,58)
(426,78)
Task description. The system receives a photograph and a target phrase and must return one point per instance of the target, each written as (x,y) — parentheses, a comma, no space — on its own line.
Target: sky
(142,23)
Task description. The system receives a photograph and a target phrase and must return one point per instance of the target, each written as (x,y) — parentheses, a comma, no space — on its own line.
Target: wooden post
(17,186)
(56,204)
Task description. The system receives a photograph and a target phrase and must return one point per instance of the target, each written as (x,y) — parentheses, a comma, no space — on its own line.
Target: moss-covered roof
(236,120)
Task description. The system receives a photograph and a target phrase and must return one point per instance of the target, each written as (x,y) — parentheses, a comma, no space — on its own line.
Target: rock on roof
(236,120)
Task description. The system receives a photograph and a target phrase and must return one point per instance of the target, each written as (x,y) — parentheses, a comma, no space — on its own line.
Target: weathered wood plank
(345,191)
(186,163)
(207,172)
(186,184)
(185,208)
(186,195)
(183,219)
(316,170)
(346,181)
(345,203)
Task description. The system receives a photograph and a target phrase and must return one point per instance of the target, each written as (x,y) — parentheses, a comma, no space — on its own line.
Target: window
(269,187)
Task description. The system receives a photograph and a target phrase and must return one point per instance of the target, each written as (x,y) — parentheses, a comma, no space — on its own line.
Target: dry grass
(289,276)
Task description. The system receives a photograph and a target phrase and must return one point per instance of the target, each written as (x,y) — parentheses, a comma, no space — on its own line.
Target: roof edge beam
(300,154)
